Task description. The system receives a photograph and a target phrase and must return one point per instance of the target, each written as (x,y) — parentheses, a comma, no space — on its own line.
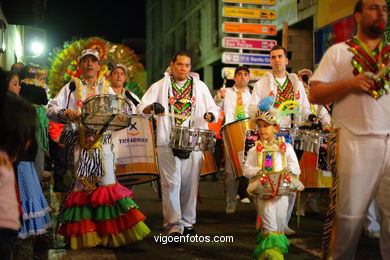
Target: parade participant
(271,156)
(285,87)
(183,94)
(361,112)
(118,82)
(319,112)
(98,211)
(236,107)
(320,119)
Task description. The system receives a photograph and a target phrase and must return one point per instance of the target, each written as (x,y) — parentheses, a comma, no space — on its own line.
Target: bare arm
(325,93)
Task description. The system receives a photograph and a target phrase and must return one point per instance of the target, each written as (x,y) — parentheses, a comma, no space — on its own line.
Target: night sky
(112,20)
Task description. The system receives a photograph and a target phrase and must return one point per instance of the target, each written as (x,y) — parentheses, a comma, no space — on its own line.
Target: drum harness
(172,99)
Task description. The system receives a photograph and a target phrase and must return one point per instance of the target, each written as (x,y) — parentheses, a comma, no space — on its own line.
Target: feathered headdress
(266,111)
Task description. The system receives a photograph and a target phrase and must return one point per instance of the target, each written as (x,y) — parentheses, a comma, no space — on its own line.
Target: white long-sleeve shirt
(57,105)
(267,86)
(158,92)
(230,103)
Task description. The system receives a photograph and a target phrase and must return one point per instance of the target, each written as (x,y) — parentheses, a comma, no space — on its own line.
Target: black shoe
(189,231)
(175,241)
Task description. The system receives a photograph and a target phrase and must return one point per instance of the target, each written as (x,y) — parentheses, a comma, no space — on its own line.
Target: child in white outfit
(272,168)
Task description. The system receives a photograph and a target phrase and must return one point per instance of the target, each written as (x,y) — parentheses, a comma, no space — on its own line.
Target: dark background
(116,21)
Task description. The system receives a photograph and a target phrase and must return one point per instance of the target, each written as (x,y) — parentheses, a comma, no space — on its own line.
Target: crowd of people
(98,211)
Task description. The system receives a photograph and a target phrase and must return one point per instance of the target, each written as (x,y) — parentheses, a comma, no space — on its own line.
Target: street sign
(246,58)
(249,28)
(249,13)
(248,43)
(255,74)
(256,2)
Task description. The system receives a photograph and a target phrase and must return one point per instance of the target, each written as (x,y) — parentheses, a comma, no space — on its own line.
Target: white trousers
(179,188)
(364,173)
(273,213)
(231,184)
(291,203)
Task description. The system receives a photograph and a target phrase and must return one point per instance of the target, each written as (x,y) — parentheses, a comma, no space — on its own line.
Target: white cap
(307,71)
(92,52)
(120,66)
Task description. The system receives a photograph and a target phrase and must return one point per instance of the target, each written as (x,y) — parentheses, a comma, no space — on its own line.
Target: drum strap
(266,162)
(182,101)
(101,83)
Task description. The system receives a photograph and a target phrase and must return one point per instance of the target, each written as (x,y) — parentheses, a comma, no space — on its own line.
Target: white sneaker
(230,207)
(289,231)
(245,201)
(373,234)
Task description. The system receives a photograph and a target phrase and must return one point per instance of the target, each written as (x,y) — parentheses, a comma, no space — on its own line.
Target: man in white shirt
(118,82)
(361,112)
(183,94)
(236,107)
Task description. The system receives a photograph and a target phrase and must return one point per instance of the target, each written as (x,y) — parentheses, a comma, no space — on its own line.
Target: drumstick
(173,115)
(301,123)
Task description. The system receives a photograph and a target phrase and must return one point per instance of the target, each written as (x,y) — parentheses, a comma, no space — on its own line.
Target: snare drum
(192,139)
(313,164)
(135,153)
(234,136)
(98,110)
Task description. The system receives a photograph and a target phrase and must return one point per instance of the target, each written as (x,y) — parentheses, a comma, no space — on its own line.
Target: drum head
(135,179)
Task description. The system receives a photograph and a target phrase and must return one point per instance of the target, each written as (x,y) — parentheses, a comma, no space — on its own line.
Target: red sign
(249,28)
(248,44)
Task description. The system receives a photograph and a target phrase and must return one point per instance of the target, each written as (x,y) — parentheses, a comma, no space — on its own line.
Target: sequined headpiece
(265,110)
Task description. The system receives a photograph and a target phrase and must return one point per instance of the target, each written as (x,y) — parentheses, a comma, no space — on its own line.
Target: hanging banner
(249,28)
(249,13)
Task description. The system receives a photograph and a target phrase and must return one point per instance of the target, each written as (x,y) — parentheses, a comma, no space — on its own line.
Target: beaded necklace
(372,61)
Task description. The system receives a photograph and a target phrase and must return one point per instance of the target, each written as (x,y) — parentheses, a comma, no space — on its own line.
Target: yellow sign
(255,74)
(248,13)
(255,2)
(249,28)
(330,11)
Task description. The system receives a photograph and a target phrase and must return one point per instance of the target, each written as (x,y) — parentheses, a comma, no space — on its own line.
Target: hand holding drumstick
(72,115)
(157,109)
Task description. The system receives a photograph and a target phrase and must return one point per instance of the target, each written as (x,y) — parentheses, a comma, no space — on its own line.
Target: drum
(100,109)
(208,164)
(135,153)
(309,140)
(234,136)
(287,133)
(192,139)
(313,164)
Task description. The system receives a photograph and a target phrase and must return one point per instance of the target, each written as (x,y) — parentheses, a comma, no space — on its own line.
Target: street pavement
(212,221)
